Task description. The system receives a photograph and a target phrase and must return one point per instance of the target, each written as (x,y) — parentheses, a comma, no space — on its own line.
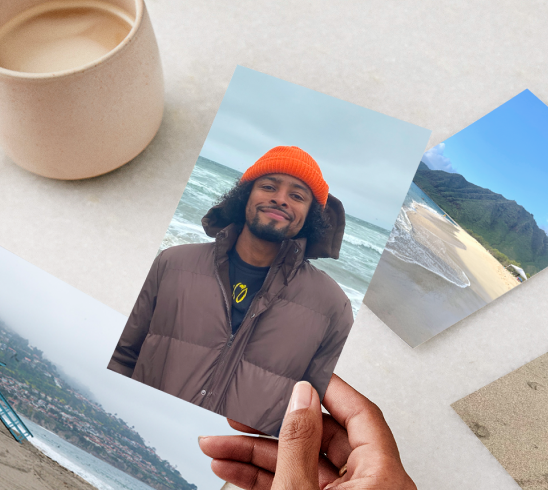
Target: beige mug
(63,119)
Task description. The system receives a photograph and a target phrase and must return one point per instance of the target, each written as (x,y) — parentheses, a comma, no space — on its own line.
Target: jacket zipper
(228,344)
(225,297)
(230,341)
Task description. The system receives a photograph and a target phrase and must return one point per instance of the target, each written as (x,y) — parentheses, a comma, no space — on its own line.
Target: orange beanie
(293,161)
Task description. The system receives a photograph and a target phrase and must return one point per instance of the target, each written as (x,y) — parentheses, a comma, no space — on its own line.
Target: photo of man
(262,269)
(237,322)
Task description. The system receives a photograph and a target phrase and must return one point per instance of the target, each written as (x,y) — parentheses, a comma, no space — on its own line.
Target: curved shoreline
(24,467)
(417,303)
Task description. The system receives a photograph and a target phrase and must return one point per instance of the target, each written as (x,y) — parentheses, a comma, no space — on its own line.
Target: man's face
(277,207)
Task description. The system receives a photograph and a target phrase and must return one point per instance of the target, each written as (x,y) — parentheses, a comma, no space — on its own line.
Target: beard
(267,232)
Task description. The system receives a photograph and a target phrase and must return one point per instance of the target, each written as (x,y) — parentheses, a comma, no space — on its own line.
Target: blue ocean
(363,242)
(98,473)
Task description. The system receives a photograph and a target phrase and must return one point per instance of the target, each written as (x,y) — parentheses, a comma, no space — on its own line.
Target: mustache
(277,208)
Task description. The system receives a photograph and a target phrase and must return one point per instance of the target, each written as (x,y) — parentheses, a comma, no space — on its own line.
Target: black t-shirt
(246,280)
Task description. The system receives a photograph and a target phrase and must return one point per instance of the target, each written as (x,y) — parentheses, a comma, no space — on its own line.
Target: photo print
(510,417)
(270,250)
(114,433)
(473,225)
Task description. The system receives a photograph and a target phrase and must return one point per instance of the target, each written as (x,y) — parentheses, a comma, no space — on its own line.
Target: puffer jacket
(178,337)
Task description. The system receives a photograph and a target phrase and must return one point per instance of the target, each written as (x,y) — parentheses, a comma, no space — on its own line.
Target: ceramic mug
(87,120)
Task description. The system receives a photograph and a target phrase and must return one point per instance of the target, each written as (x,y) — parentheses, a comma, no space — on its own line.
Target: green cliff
(502,224)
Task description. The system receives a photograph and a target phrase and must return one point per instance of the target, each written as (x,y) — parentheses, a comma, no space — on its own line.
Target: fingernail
(301,397)
(201,438)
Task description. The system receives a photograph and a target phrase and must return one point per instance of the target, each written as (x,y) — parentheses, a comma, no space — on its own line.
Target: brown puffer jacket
(178,337)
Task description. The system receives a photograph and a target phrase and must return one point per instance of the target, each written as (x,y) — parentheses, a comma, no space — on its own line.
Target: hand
(314,446)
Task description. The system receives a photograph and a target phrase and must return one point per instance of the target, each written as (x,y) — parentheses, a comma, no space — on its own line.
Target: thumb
(300,441)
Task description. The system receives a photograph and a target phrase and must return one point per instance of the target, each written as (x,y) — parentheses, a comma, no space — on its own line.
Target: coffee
(55,37)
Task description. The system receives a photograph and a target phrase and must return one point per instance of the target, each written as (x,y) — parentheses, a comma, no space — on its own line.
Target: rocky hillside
(503,224)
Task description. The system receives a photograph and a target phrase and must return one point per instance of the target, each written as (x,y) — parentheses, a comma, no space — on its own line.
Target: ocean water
(98,473)
(419,246)
(363,242)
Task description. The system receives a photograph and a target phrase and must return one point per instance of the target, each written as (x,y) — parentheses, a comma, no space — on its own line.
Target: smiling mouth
(276,214)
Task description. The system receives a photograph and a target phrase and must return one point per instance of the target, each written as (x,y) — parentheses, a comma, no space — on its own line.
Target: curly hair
(235,200)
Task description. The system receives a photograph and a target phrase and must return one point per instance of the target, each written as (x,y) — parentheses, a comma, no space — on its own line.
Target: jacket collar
(289,258)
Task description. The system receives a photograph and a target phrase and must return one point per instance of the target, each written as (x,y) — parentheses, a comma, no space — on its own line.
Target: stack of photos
(270,250)
(510,417)
(473,225)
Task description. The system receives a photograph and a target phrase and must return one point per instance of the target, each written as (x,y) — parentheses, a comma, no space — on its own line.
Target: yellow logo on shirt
(239,292)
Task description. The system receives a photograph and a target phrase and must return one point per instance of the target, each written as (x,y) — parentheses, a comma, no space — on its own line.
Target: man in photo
(232,325)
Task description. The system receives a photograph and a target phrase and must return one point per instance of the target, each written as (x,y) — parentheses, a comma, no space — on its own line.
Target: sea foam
(362,243)
(421,247)
(68,464)
(355,297)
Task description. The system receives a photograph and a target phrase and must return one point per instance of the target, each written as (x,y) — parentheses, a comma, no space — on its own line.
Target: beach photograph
(366,158)
(518,442)
(24,466)
(270,250)
(472,227)
(90,428)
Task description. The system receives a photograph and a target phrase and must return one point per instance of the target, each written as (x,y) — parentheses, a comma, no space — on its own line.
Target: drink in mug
(81,85)
(57,36)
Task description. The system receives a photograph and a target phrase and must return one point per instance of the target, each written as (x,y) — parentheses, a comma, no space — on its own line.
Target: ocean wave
(437,213)
(354,296)
(420,247)
(208,189)
(68,464)
(180,225)
(359,242)
(403,222)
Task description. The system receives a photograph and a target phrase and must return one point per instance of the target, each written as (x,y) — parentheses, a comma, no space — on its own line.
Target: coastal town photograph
(473,225)
(37,391)
(88,427)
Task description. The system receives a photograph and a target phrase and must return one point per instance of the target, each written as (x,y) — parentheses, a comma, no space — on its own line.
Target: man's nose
(280,198)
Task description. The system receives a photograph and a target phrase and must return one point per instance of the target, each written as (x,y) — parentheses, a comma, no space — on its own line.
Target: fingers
(247,462)
(300,441)
(361,418)
(355,434)
(375,457)
(242,475)
(327,472)
(257,451)
(335,443)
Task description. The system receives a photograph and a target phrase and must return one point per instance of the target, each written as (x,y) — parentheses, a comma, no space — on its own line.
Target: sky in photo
(505,151)
(368,159)
(79,334)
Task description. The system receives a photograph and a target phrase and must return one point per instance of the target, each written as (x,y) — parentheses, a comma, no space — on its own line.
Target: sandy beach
(510,417)
(417,303)
(23,467)
(488,278)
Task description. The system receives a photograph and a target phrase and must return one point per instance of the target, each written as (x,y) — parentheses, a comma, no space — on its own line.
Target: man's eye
(268,187)
(298,197)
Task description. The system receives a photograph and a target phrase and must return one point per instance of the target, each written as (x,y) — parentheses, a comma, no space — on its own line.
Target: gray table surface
(438,64)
